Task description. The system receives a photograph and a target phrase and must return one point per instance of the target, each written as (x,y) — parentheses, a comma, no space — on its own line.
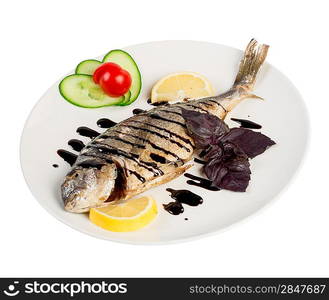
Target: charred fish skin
(150,148)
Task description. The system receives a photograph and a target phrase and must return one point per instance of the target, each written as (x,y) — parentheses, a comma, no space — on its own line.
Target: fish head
(84,188)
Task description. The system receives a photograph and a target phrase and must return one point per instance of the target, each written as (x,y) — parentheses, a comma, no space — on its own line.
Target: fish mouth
(78,201)
(71,206)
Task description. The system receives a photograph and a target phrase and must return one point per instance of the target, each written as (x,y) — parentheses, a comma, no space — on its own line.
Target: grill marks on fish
(182,105)
(125,141)
(110,150)
(104,149)
(158,117)
(138,176)
(158,158)
(180,145)
(171,112)
(185,140)
(155,128)
(129,139)
(136,134)
(206,103)
(195,107)
(155,146)
(207,100)
(165,151)
(212,102)
(91,163)
(148,142)
(132,136)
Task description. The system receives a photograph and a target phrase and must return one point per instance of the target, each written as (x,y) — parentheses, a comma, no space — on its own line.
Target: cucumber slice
(126,62)
(127,98)
(81,90)
(87,67)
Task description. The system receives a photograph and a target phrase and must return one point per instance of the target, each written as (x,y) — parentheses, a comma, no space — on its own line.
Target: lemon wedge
(178,86)
(128,216)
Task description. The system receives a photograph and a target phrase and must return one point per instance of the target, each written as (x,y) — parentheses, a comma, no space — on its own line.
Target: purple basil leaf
(238,175)
(204,128)
(226,151)
(214,151)
(228,167)
(215,171)
(250,142)
(231,151)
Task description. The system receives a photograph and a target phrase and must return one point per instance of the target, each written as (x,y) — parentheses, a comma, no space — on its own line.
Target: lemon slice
(128,216)
(178,86)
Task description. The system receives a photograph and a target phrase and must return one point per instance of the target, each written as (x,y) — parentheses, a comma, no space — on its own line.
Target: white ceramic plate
(53,121)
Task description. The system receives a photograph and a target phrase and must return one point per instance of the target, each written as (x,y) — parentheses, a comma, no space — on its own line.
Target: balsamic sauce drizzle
(69,157)
(157,103)
(200,161)
(138,111)
(174,208)
(76,145)
(105,123)
(158,158)
(200,182)
(247,123)
(204,152)
(87,132)
(139,177)
(181,197)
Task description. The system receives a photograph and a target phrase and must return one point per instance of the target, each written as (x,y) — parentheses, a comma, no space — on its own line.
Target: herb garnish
(226,151)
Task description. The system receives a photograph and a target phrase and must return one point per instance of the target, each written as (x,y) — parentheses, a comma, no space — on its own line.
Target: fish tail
(245,80)
(253,58)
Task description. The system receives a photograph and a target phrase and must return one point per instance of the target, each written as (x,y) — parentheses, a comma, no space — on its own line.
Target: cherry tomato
(107,67)
(114,80)
(115,84)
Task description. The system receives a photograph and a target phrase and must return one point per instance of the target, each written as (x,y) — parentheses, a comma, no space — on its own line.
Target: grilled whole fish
(150,148)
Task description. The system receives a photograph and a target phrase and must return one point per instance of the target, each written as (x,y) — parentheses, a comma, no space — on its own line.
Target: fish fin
(250,64)
(253,96)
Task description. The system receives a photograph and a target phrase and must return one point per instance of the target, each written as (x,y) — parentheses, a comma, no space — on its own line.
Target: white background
(42,40)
